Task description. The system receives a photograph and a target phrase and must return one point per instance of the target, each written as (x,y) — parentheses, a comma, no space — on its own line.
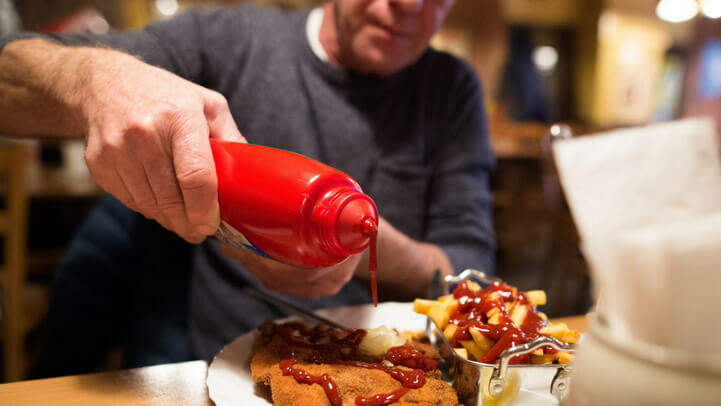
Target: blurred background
(592,64)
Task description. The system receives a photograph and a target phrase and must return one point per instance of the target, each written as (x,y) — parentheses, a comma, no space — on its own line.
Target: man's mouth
(393,31)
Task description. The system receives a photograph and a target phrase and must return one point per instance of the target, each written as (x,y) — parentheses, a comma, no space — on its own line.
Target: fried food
(352,381)
(482,323)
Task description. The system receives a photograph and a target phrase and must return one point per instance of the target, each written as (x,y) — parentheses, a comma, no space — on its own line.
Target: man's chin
(380,62)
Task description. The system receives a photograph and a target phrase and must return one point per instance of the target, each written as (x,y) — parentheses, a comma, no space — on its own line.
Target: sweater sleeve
(460,207)
(177,45)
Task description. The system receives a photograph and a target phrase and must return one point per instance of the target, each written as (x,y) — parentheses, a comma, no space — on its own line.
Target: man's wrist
(436,256)
(82,78)
(83,68)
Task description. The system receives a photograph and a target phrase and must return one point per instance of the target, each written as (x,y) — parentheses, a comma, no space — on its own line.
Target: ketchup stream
(370,228)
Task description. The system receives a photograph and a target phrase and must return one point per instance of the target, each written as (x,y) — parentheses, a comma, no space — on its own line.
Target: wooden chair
(568,276)
(13,231)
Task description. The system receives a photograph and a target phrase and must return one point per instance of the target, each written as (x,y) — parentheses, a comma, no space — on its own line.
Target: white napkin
(629,179)
(674,283)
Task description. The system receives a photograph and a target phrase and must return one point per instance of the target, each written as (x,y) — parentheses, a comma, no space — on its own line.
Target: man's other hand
(302,282)
(148,143)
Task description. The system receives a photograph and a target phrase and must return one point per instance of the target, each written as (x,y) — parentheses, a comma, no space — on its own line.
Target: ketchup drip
(410,379)
(301,376)
(321,337)
(408,356)
(370,228)
(382,399)
(472,311)
(415,378)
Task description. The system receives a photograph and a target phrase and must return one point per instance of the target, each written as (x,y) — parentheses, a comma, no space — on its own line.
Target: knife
(288,306)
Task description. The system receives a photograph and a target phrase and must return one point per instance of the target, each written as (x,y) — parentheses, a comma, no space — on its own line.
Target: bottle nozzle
(369,227)
(356,223)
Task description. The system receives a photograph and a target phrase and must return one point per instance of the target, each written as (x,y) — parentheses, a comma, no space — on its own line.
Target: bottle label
(227,234)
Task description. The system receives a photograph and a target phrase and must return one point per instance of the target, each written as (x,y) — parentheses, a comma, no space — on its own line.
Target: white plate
(230,383)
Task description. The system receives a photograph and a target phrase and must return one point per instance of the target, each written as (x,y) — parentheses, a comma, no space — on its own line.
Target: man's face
(384,36)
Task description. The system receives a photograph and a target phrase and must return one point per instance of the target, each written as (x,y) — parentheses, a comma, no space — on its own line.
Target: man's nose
(410,6)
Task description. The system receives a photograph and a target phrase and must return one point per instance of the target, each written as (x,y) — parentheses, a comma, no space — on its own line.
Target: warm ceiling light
(711,8)
(167,7)
(545,58)
(676,11)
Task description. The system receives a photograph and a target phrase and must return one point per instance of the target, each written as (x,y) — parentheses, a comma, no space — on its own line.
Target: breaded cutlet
(351,381)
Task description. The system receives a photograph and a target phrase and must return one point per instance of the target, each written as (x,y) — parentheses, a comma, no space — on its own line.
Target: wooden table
(171,384)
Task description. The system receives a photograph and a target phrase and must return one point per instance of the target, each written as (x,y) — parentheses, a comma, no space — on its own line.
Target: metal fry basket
(498,384)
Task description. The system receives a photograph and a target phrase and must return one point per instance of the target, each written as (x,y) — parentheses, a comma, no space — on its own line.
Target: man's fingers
(136,182)
(170,204)
(158,167)
(195,172)
(121,191)
(220,120)
(143,202)
(105,175)
(302,282)
(113,184)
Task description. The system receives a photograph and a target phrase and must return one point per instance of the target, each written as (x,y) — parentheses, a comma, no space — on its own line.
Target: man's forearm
(41,87)
(147,130)
(404,264)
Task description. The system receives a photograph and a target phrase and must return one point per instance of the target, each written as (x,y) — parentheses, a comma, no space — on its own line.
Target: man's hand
(302,282)
(148,143)
(147,129)
(405,268)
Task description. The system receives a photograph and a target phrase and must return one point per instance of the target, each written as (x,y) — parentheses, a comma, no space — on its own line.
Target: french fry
(536,297)
(450,331)
(558,330)
(439,315)
(473,349)
(564,357)
(511,305)
(473,286)
(519,314)
(462,352)
(483,342)
(423,306)
(504,306)
(571,337)
(450,303)
(413,335)
(511,388)
(543,359)
(495,319)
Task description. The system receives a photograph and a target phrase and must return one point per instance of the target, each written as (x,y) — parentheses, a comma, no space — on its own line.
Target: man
(352,84)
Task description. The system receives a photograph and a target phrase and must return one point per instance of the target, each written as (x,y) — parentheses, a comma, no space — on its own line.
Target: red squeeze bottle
(291,208)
